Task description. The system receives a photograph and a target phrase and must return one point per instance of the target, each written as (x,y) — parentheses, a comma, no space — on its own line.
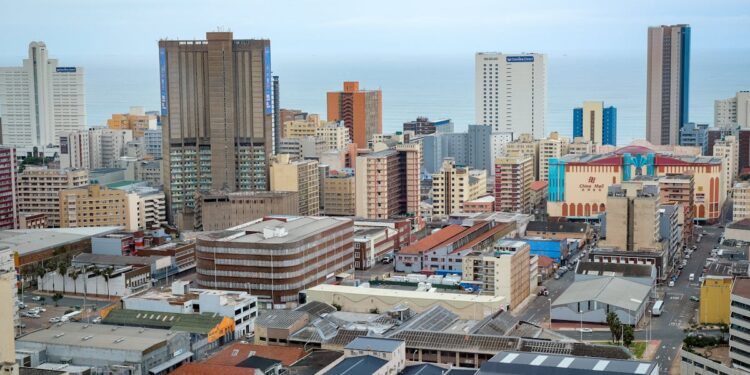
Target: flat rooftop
(289,231)
(99,336)
(29,241)
(741,287)
(408,294)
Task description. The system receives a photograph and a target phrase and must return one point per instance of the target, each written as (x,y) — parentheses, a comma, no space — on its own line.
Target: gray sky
(96,31)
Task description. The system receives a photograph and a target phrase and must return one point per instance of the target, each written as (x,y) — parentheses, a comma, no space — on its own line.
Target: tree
(62,269)
(39,271)
(96,272)
(107,273)
(74,275)
(615,327)
(627,335)
(56,297)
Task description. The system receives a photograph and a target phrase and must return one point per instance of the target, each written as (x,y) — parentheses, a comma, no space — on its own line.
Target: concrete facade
(219,210)
(39,190)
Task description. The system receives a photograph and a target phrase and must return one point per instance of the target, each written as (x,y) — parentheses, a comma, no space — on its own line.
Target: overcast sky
(83,32)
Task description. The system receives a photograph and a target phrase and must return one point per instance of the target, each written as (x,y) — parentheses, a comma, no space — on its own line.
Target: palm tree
(74,275)
(107,274)
(96,272)
(62,269)
(39,271)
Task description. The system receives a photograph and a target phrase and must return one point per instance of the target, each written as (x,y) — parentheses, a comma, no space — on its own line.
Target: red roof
(228,357)
(544,261)
(538,185)
(433,240)
(203,368)
(634,150)
(482,237)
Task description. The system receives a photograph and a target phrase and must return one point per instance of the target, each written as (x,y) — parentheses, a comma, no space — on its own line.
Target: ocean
(443,87)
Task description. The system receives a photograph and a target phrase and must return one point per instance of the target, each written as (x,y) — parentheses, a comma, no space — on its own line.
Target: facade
(302,127)
(633,208)
(8,189)
(728,149)
(276,259)
(552,147)
(509,362)
(136,120)
(142,351)
(39,190)
(538,195)
(8,308)
(715,299)
(503,270)
(694,135)
(423,126)
(733,112)
(580,181)
(339,193)
(741,201)
(513,178)
(300,176)
(220,210)
(361,111)
(387,183)
(372,244)
(216,136)
(667,83)
(479,205)
(477,148)
(146,206)
(334,134)
(510,92)
(41,100)
(96,279)
(596,123)
(739,324)
(591,300)
(95,206)
(525,145)
(152,143)
(454,185)
(239,306)
(680,189)
(670,233)
(75,148)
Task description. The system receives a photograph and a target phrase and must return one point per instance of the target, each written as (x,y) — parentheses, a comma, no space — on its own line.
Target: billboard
(267,84)
(65,69)
(163,80)
(512,59)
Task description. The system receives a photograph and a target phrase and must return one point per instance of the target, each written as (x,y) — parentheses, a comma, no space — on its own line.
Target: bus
(658,307)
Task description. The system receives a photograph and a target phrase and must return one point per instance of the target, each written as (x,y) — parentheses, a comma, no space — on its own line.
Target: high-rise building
(152,143)
(339,196)
(289,174)
(41,100)
(216,117)
(741,201)
(553,146)
(361,111)
(39,190)
(680,189)
(453,185)
(503,270)
(595,122)
(95,206)
(334,134)
(694,135)
(387,183)
(633,209)
(8,188)
(301,128)
(668,83)
(423,126)
(728,149)
(733,112)
(739,324)
(525,145)
(135,120)
(75,148)
(513,178)
(510,92)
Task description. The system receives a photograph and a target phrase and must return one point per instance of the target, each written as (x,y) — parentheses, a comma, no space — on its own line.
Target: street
(668,328)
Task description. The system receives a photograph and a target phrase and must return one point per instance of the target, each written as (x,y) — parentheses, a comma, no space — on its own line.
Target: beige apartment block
(334,134)
(453,185)
(387,183)
(513,178)
(339,193)
(39,190)
(525,145)
(552,147)
(728,149)
(633,208)
(503,270)
(301,128)
(95,206)
(580,146)
(302,176)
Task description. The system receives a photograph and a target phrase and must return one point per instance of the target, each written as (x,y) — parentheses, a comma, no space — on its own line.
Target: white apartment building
(40,100)
(733,111)
(511,92)
(453,185)
(552,147)
(114,145)
(152,142)
(335,135)
(75,149)
(237,305)
(39,190)
(498,142)
(728,149)
(741,201)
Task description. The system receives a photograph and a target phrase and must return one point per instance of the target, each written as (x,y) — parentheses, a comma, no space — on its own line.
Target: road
(678,308)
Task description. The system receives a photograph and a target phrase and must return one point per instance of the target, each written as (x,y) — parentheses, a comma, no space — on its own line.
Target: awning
(168,364)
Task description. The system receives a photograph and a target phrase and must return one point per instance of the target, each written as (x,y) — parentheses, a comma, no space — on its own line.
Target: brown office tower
(217,109)
(668,82)
(361,111)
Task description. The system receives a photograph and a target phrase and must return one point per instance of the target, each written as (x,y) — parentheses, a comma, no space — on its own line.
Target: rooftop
(375,344)
(100,336)
(199,368)
(614,269)
(281,319)
(538,185)
(28,241)
(741,287)
(610,290)
(408,294)
(433,239)
(740,224)
(314,362)
(112,260)
(275,231)
(424,369)
(193,323)
(235,353)
(484,199)
(558,227)
(365,364)
(532,363)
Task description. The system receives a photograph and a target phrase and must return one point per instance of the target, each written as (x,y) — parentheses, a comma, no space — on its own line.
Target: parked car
(386,259)
(585,330)
(36,298)
(671,283)
(97,320)
(55,319)
(694,298)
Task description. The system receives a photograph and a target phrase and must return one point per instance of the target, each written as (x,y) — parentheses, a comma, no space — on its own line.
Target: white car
(36,298)
(97,320)
(671,283)
(585,330)
(54,320)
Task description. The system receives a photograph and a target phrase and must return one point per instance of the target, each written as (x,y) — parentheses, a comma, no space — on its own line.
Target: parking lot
(64,305)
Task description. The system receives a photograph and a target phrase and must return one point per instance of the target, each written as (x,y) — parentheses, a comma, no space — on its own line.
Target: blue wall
(549,248)
(577,122)
(609,126)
